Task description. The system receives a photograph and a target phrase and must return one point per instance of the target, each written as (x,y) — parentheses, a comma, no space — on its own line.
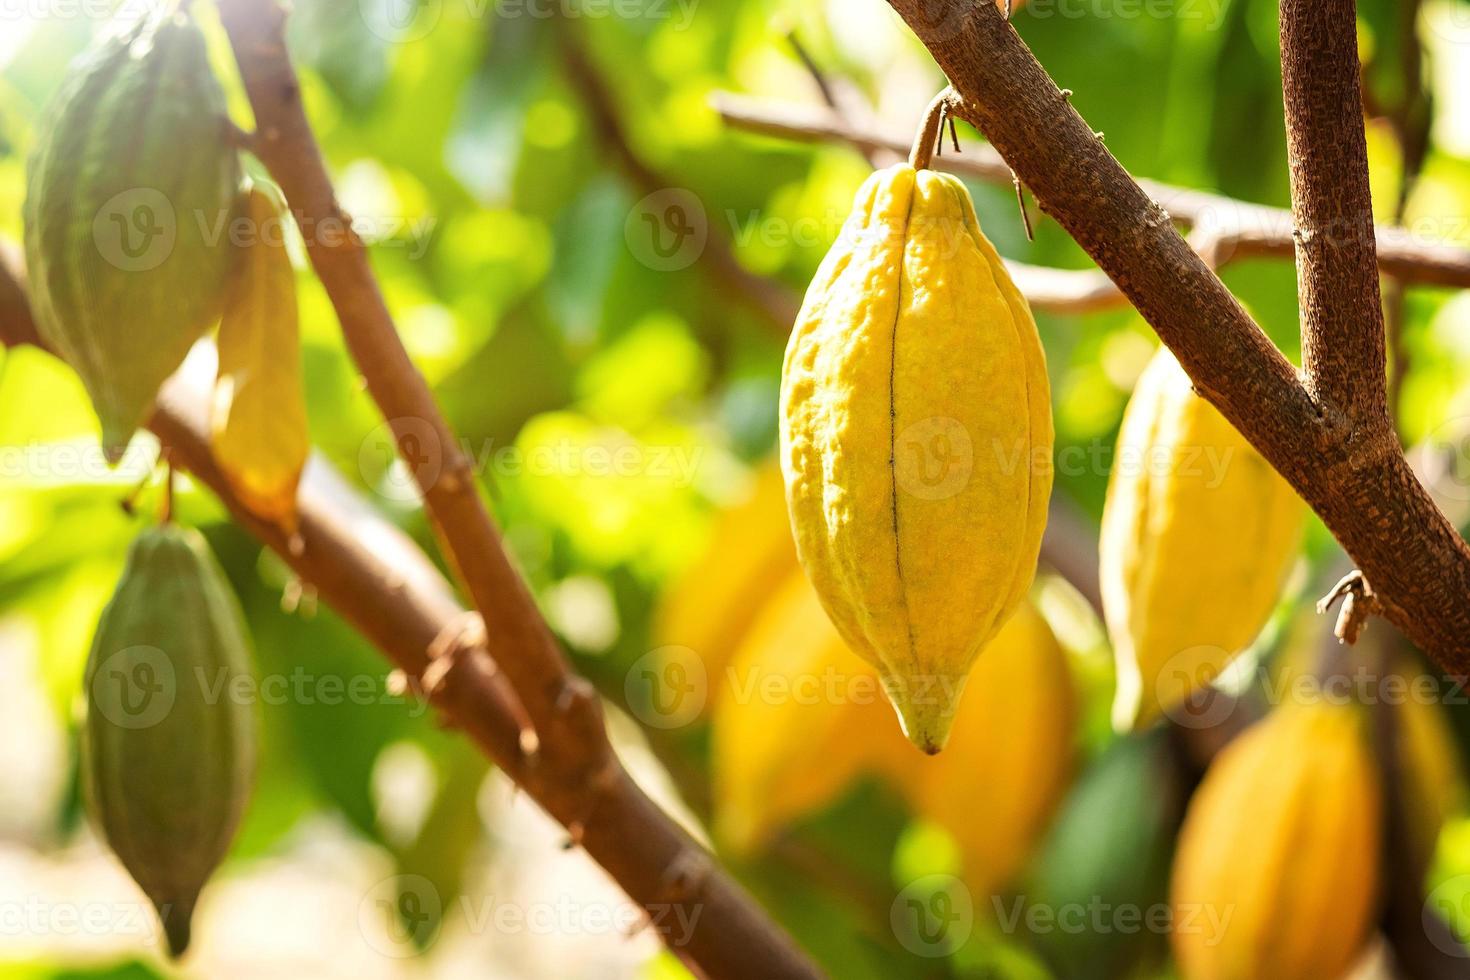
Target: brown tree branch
(569,764)
(1236,229)
(1362,488)
(1337,278)
(378,580)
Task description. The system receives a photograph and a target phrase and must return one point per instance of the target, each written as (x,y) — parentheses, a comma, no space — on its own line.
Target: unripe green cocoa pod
(168,747)
(130,191)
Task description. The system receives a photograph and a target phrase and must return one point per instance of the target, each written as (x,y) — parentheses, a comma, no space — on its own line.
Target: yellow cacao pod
(129,196)
(258,424)
(1198,533)
(1276,870)
(168,745)
(915,433)
(1431,770)
(1010,757)
(710,608)
(799,720)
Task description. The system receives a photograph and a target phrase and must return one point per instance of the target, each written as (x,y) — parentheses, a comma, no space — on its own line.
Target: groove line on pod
(908,618)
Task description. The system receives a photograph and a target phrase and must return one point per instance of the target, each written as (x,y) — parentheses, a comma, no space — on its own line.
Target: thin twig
(1244,229)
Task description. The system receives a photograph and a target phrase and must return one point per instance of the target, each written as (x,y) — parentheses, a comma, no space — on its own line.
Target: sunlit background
(508,235)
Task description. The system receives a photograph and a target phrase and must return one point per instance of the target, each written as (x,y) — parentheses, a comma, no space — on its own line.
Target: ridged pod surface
(128,201)
(915,432)
(1198,533)
(1276,869)
(798,719)
(1010,757)
(168,747)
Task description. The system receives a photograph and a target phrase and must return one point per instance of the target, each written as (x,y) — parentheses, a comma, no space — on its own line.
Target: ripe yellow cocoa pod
(1276,870)
(1198,533)
(997,785)
(710,608)
(915,434)
(798,720)
(258,424)
(1431,769)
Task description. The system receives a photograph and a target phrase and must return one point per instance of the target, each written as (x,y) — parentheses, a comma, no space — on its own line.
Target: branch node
(464,635)
(1359,602)
(685,877)
(602,782)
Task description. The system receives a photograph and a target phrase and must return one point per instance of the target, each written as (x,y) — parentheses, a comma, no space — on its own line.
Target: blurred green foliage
(504,231)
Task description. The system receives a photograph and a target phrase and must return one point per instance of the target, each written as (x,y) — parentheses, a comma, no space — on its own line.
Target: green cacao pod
(168,747)
(130,191)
